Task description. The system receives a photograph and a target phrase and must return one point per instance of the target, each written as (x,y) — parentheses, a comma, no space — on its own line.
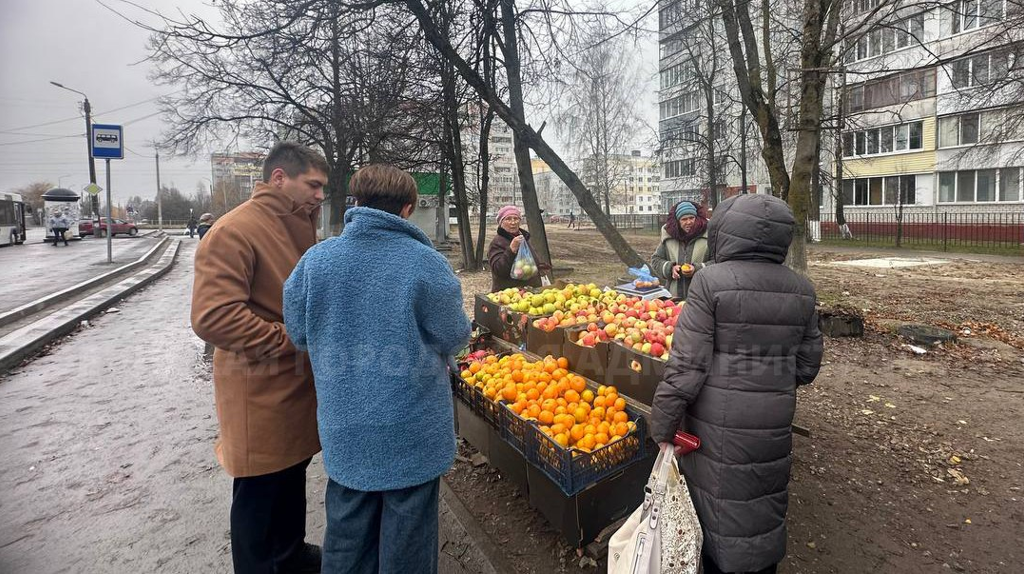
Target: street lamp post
(61,178)
(88,142)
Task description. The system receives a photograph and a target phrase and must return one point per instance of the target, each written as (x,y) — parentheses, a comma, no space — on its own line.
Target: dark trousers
(711,568)
(390,532)
(268,519)
(60,234)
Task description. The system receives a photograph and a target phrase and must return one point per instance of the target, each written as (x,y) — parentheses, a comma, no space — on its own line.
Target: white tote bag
(663,536)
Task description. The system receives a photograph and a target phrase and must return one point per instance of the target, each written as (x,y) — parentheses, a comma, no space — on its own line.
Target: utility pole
(87,108)
(159,194)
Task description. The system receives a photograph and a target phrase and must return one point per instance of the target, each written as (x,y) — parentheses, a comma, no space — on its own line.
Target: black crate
(580,518)
(632,373)
(575,470)
(589,362)
(485,407)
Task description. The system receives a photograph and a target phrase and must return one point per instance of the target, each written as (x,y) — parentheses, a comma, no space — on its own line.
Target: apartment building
(694,63)
(633,183)
(503,186)
(932,108)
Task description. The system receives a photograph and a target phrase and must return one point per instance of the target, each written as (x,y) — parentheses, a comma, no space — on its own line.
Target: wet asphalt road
(37,269)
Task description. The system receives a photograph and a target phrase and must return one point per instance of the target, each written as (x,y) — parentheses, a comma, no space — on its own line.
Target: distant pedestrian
(384,400)
(572,219)
(59,224)
(263,386)
(191,225)
(205,223)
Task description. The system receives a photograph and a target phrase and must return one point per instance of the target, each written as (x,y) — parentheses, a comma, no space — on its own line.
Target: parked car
(121,227)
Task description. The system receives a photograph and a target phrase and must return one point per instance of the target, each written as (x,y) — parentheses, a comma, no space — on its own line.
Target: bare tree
(313,71)
(598,115)
(512,113)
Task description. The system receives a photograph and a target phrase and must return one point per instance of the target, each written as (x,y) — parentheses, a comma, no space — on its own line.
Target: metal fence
(939,231)
(630,221)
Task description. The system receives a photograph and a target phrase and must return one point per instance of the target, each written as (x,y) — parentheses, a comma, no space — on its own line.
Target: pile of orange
(545,391)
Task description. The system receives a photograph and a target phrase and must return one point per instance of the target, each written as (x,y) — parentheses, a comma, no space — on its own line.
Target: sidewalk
(109,465)
(913,253)
(37,269)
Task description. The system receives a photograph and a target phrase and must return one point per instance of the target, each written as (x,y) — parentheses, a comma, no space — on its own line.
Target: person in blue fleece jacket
(379,312)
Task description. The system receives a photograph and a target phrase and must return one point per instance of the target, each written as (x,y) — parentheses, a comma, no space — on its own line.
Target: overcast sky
(85,46)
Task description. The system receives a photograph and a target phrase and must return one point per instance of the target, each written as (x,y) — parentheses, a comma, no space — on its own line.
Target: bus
(12,219)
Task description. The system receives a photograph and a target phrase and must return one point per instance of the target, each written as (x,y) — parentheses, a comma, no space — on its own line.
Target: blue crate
(515,429)
(575,470)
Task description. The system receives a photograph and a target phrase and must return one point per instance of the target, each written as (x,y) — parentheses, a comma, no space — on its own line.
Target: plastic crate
(485,407)
(460,388)
(515,429)
(574,470)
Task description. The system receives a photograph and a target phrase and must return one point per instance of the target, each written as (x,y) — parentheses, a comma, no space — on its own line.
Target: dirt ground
(916,462)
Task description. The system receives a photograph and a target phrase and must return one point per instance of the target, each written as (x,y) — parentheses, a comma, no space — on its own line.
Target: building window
(680,168)
(888,139)
(881,190)
(964,15)
(980,69)
(887,37)
(675,75)
(895,89)
(980,186)
(681,104)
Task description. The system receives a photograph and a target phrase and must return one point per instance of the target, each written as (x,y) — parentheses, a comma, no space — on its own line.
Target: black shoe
(305,561)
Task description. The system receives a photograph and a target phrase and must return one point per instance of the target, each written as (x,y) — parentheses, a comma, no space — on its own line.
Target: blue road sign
(107,141)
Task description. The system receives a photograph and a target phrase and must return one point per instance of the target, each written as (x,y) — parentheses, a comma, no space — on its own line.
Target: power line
(42,140)
(79,117)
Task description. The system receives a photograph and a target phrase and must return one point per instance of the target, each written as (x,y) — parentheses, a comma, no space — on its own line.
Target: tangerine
(563,362)
(578,383)
(533,411)
(546,417)
(576,433)
(572,396)
(620,417)
(562,439)
(587,395)
(599,401)
(579,414)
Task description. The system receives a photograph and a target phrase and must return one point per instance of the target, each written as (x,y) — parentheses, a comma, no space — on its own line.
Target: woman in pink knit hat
(505,246)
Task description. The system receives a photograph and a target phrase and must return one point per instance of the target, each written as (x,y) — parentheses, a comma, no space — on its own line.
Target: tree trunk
(534,218)
(529,137)
(485,178)
(453,143)
(711,159)
(748,75)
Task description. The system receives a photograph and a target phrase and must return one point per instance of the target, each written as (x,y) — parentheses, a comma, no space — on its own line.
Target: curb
(27,309)
(26,341)
(487,558)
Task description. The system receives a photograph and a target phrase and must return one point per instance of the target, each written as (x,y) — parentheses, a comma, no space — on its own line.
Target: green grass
(951,247)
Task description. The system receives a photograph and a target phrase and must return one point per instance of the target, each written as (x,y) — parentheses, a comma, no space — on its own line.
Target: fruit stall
(554,390)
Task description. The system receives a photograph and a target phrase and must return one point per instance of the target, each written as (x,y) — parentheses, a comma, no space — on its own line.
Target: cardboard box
(487,314)
(589,362)
(473,428)
(580,518)
(544,343)
(634,374)
(510,462)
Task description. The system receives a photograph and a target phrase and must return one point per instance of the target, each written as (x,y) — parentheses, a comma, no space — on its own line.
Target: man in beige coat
(263,386)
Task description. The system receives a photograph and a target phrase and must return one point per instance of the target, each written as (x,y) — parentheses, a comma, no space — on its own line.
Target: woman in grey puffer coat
(746,338)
